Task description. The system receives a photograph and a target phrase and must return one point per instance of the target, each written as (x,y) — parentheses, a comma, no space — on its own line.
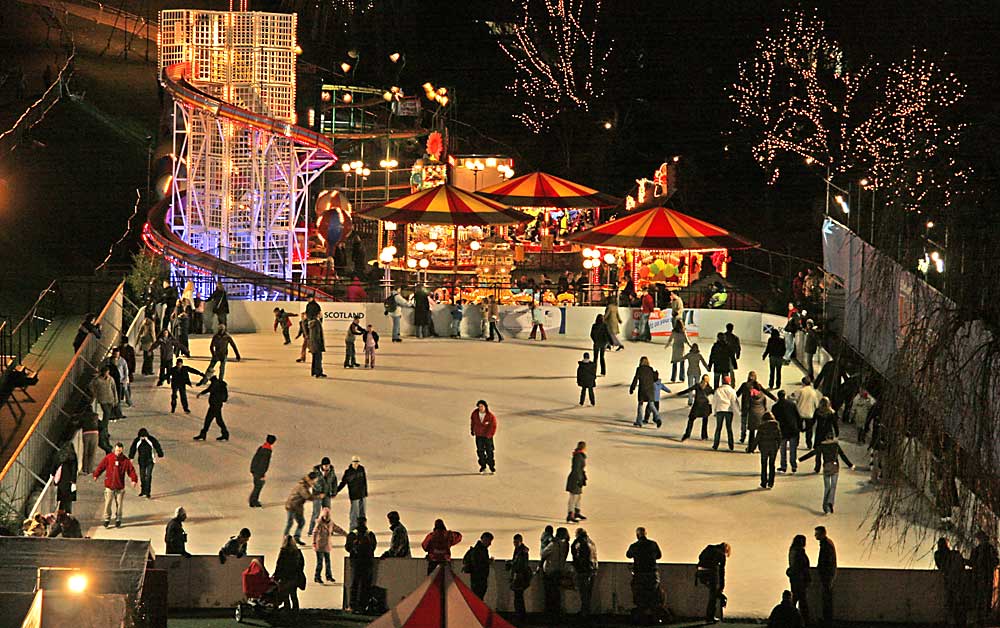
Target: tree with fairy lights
(798,99)
(891,128)
(560,61)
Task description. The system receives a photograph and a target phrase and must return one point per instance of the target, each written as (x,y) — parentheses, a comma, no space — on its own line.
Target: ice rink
(408,420)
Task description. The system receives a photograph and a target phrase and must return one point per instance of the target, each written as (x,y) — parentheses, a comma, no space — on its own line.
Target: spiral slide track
(157,234)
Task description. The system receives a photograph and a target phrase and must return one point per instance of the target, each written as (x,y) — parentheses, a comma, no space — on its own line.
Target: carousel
(661,245)
(446,230)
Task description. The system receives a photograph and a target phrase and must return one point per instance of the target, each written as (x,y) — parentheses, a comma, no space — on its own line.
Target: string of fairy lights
(797,98)
(560,63)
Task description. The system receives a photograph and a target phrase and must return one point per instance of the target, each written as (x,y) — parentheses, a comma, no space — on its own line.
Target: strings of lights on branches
(559,60)
(798,100)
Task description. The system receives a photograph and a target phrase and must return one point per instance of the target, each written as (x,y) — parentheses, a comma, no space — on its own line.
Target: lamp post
(386,257)
(475,166)
(591,263)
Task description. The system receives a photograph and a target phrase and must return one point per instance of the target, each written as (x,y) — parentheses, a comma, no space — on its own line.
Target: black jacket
(144,447)
(645,381)
(785,616)
(520,569)
(180,376)
(291,567)
(775,348)
(826,425)
(798,568)
(233,547)
(721,359)
(361,544)
(586,374)
(176,537)
(261,462)
(218,393)
(713,557)
(702,404)
(734,343)
(220,301)
(826,564)
(356,482)
(478,563)
(644,554)
(70,530)
(788,418)
(599,334)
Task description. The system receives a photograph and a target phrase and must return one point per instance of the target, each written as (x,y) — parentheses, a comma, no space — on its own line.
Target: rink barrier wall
(201,581)
(573,322)
(910,596)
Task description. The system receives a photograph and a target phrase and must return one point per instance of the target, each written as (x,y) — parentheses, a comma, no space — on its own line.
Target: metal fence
(26,469)
(16,340)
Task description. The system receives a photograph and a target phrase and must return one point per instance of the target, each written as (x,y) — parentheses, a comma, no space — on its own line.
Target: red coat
(116,468)
(487,427)
(438,544)
(648,303)
(356,293)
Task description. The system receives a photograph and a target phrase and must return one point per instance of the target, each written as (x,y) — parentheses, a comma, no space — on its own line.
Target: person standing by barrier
(586,377)
(646,308)
(799,575)
(826,565)
(438,544)
(317,345)
(175,537)
(95,435)
(725,404)
(236,546)
(951,564)
(711,572)
(678,344)
(519,574)
(394,305)
(645,574)
(493,316)
(116,467)
(218,395)
(553,566)
(147,448)
(575,482)
(147,337)
(476,563)
(399,546)
(118,370)
(290,574)
(87,327)
(537,320)
(785,615)
(105,393)
(483,426)
(360,547)
(128,355)
(220,304)
(983,562)
(259,465)
(64,477)
(600,338)
(219,347)
(584,554)
(356,481)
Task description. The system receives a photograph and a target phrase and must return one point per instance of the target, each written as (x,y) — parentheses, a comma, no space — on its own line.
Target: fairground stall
(444,231)
(659,246)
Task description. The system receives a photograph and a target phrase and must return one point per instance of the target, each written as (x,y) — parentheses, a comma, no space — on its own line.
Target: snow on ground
(408,420)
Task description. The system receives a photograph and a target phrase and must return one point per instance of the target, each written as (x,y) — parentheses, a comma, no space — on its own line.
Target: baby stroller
(261,593)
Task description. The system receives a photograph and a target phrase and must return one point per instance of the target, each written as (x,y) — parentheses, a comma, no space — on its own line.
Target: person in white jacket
(395,311)
(725,404)
(806,400)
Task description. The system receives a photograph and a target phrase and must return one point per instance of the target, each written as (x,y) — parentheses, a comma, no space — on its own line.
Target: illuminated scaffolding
(240,181)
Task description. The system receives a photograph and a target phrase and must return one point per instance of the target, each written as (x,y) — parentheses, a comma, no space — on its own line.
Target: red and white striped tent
(441,601)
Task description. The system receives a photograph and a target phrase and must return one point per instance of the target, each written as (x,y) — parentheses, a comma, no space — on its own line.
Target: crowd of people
(772,422)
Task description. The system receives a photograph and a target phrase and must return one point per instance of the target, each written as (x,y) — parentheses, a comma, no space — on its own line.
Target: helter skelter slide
(237,199)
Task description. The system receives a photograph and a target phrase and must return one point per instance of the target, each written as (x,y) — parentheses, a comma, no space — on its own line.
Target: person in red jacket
(648,306)
(484,427)
(115,467)
(438,544)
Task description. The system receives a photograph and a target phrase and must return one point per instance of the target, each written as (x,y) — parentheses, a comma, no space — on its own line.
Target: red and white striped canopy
(662,229)
(445,205)
(544,190)
(441,601)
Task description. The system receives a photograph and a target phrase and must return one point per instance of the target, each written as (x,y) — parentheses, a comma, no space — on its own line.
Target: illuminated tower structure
(241,168)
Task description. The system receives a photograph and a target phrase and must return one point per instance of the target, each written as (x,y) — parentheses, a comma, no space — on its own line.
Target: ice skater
(645,380)
(586,377)
(701,407)
(259,465)
(537,320)
(304,335)
(145,446)
(350,354)
(283,319)
(180,379)
(219,348)
(575,482)
(484,427)
(371,345)
(218,394)
(725,404)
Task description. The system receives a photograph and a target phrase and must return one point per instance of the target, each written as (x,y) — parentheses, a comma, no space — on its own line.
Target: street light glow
(77,583)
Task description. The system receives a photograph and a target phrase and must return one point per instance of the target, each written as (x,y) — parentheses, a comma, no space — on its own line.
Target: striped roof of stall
(663,229)
(544,190)
(445,205)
